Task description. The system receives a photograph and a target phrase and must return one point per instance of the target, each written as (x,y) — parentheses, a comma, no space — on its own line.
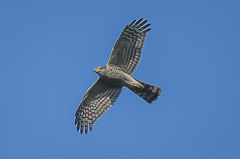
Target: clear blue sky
(48,52)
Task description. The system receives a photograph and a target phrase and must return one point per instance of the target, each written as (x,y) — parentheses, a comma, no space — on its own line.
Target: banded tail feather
(149,93)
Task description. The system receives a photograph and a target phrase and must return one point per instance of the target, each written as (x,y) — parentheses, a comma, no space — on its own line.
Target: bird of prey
(124,59)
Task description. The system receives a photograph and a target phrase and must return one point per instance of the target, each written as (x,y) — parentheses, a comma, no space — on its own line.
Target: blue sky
(50,48)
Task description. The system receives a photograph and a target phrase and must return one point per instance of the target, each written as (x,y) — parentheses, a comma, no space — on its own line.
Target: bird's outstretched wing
(126,52)
(98,98)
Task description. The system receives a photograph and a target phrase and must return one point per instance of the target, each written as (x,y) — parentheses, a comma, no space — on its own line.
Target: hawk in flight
(123,61)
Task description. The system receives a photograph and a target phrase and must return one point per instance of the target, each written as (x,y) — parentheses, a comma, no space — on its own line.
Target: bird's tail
(149,93)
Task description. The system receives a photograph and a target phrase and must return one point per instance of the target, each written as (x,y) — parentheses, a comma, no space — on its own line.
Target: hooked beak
(95,69)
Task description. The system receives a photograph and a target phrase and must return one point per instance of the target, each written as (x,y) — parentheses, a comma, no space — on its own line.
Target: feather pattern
(97,100)
(127,50)
(124,59)
(149,93)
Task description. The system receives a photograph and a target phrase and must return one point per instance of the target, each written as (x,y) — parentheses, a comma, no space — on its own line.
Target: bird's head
(99,70)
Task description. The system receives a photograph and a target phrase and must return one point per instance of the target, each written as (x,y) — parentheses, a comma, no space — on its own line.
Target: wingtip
(132,22)
(90,127)
(81,131)
(147,30)
(140,24)
(139,20)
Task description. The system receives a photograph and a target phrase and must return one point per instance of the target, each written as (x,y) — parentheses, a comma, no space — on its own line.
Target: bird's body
(116,74)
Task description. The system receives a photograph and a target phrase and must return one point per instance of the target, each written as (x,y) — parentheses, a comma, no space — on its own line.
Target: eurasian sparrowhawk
(123,61)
